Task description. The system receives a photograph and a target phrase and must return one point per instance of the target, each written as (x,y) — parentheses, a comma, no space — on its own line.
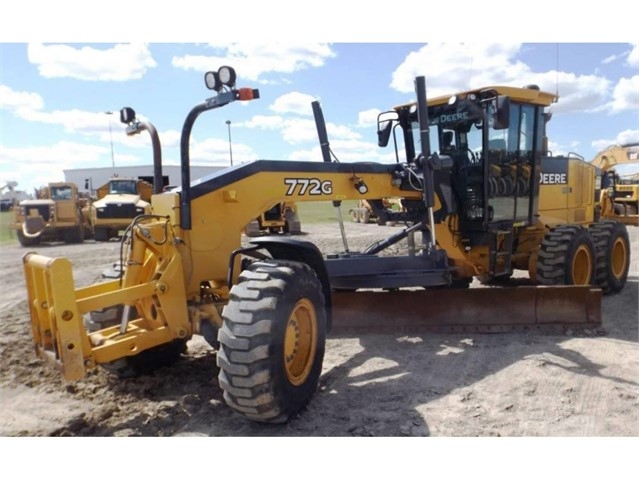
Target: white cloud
(623,137)
(215,151)
(293,102)
(626,94)
(118,63)
(265,122)
(368,118)
(633,57)
(451,67)
(19,101)
(252,61)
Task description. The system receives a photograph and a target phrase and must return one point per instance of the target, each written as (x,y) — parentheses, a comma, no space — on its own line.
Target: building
(89,180)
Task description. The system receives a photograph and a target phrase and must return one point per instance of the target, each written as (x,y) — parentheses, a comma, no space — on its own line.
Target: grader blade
(472,310)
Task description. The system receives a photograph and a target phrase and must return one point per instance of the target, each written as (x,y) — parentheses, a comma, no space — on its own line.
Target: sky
(64,63)
(54,95)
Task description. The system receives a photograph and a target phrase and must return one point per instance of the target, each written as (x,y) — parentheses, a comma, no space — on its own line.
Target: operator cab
(494,138)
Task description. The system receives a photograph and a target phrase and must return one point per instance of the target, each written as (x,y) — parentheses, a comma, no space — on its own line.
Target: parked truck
(118,202)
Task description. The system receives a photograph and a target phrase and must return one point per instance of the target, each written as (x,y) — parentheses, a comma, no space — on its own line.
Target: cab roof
(530,95)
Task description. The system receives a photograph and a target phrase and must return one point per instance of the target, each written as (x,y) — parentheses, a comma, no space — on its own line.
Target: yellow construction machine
(282,218)
(618,194)
(364,212)
(267,306)
(57,213)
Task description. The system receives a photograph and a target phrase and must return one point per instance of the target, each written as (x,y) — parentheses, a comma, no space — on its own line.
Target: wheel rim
(582,266)
(618,258)
(300,342)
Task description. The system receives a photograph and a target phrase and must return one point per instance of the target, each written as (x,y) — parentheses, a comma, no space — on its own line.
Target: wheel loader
(267,306)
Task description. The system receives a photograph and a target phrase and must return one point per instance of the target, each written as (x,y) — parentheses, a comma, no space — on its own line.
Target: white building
(90,179)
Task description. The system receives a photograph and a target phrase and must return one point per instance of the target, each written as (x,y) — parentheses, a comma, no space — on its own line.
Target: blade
(469,310)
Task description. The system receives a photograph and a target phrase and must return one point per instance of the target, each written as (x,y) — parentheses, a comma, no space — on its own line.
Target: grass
(316,212)
(7,235)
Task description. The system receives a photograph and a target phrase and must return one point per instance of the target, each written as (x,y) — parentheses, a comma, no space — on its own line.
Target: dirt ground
(515,384)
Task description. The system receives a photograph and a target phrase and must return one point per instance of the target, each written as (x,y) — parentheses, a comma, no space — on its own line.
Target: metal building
(89,180)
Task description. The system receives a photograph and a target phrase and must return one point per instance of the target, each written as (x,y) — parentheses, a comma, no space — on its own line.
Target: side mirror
(383,134)
(385,126)
(501,117)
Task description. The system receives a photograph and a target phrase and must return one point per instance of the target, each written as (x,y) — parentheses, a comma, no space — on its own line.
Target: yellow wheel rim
(618,258)
(300,342)
(582,266)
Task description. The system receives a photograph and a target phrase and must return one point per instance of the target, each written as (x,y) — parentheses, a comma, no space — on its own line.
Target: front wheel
(272,340)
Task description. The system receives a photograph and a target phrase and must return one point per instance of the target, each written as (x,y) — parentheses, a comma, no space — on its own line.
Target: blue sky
(53,95)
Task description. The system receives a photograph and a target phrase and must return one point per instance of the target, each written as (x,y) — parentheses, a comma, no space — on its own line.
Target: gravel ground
(384,385)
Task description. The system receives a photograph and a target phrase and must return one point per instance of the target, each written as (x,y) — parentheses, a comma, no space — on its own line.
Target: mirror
(501,118)
(385,126)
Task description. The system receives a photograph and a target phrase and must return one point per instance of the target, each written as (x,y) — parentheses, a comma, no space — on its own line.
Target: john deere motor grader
(268,306)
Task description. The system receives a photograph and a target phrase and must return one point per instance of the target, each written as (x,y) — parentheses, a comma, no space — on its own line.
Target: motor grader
(267,306)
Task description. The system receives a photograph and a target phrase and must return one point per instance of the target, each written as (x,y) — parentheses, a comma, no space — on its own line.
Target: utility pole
(111,139)
(228,124)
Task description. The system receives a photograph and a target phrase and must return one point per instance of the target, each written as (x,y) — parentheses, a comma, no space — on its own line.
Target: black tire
(74,235)
(272,340)
(209,332)
(147,361)
(612,252)
(355,216)
(252,229)
(566,257)
(25,241)
(101,234)
(293,224)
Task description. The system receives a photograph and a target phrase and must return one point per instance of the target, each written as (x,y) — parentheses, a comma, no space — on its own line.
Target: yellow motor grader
(267,307)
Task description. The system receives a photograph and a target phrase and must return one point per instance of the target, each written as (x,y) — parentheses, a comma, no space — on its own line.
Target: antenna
(557,73)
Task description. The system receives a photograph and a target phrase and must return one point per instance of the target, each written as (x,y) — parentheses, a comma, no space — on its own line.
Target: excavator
(267,306)
(619,194)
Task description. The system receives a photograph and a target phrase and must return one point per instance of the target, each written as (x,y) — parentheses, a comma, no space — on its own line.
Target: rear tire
(252,229)
(74,235)
(272,340)
(566,257)
(365,216)
(101,234)
(612,252)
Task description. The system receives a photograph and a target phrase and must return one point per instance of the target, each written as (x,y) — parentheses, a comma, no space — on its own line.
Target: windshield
(458,131)
(123,187)
(61,193)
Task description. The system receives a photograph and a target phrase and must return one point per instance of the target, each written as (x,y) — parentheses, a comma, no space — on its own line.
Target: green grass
(7,235)
(316,212)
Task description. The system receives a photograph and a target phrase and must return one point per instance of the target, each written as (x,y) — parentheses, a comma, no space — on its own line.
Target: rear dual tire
(612,250)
